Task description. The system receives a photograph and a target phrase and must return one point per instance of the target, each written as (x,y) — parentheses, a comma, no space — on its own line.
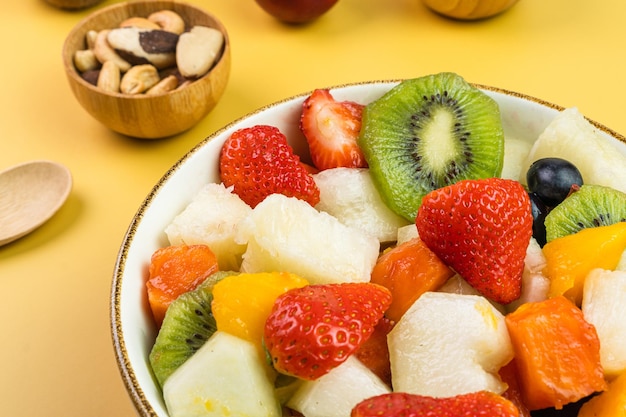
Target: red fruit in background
(296,11)
(401,404)
(481,229)
(257,161)
(313,329)
(331,129)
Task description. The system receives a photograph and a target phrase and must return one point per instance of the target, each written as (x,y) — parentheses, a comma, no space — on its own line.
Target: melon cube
(448,344)
(226,376)
(349,194)
(289,235)
(211,219)
(337,392)
(604,306)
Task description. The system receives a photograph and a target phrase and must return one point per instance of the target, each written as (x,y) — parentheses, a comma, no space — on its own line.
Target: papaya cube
(557,353)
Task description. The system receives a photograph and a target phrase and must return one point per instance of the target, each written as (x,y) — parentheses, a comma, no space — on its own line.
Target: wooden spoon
(30,193)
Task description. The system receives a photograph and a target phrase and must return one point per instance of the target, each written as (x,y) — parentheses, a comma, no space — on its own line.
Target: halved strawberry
(481,229)
(258,161)
(331,128)
(401,404)
(314,329)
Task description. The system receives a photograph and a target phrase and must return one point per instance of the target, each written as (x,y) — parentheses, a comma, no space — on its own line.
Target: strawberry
(258,161)
(401,404)
(481,229)
(313,329)
(331,129)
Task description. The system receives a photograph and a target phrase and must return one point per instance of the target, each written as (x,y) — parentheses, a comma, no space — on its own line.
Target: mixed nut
(148,55)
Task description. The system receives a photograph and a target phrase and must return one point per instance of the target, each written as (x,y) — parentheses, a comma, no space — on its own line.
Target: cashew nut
(90,38)
(198,50)
(104,52)
(166,84)
(109,78)
(139,22)
(85,60)
(139,79)
(168,20)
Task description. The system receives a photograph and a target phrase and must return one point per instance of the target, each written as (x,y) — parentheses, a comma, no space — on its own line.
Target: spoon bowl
(30,194)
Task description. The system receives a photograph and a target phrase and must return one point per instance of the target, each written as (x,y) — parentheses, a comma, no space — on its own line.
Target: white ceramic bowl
(132,327)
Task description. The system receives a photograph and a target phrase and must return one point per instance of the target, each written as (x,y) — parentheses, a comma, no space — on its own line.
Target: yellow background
(56,355)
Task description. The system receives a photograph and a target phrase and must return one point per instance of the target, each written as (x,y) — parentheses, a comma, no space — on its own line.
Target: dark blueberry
(539,211)
(552,179)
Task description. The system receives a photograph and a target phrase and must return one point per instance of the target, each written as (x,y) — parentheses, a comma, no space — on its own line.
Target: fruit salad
(418,264)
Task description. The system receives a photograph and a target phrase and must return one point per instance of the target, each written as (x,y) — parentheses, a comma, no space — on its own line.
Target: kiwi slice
(590,206)
(187,325)
(427,133)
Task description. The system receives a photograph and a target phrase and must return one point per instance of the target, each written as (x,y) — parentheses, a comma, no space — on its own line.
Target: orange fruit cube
(407,271)
(241,303)
(569,259)
(174,270)
(557,353)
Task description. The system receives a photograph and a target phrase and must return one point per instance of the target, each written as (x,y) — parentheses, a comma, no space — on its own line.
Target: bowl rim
(72,72)
(126,369)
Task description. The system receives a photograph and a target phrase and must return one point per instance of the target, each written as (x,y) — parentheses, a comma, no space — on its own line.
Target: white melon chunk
(350,195)
(211,219)
(458,285)
(448,344)
(225,377)
(572,137)
(515,154)
(621,265)
(604,306)
(406,233)
(288,234)
(535,285)
(337,392)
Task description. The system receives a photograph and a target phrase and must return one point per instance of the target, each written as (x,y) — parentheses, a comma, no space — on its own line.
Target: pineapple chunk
(448,344)
(337,392)
(225,377)
(289,235)
(350,195)
(604,306)
(211,219)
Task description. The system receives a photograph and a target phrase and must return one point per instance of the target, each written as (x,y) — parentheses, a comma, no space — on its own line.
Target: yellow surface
(56,351)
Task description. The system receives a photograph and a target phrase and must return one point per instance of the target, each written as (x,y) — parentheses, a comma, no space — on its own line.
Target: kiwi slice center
(438,143)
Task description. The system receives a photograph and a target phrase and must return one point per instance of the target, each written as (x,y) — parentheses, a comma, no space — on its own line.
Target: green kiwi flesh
(187,325)
(590,206)
(427,133)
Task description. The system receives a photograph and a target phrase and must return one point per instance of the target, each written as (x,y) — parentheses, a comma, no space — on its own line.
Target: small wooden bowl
(143,116)
(73,4)
(469,9)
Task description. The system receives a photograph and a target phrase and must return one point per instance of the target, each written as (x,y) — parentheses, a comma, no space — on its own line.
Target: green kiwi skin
(187,325)
(590,206)
(389,139)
